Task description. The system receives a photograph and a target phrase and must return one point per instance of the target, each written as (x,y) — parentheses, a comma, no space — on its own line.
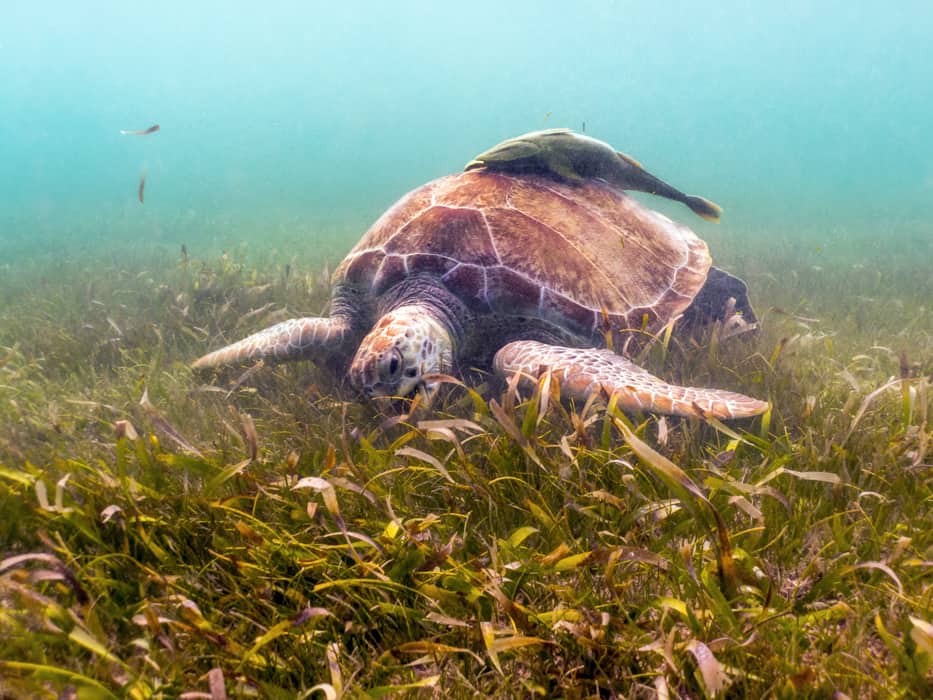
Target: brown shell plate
(528,245)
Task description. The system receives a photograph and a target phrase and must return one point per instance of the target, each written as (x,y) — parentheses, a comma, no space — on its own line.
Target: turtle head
(402,348)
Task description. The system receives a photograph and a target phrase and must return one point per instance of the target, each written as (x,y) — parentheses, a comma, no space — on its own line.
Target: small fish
(576,157)
(802,319)
(723,458)
(255,312)
(140,132)
(241,380)
(142,186)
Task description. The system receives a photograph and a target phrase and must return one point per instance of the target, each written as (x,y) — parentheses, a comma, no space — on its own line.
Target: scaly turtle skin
(576,157)
(518,273)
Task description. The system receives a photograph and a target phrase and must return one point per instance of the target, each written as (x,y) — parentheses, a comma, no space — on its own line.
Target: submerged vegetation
(263,533)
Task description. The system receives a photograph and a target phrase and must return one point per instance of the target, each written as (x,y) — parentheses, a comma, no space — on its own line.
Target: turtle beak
(429,389)
(474,164)
(402,390)
(409,389)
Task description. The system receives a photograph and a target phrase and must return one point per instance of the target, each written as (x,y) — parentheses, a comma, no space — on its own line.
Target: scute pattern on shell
(531,245)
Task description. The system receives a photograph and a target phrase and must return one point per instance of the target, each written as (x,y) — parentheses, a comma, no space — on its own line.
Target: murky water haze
(296,124)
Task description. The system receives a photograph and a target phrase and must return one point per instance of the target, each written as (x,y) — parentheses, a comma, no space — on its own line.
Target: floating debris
(140,132)
(142,186)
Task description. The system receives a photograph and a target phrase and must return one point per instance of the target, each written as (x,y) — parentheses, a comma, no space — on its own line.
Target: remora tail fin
(703,207)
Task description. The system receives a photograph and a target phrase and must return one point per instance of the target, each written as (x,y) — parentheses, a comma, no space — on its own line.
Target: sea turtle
(577,157)
(517,273)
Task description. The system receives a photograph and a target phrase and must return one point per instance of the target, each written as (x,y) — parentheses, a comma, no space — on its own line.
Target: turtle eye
(394,364)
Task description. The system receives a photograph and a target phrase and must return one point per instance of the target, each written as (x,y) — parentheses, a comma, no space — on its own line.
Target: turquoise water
(299,122)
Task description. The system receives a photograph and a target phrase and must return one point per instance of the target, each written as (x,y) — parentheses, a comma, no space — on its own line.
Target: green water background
(294,124)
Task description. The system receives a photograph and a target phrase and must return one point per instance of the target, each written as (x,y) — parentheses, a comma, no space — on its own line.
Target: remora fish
(575,157)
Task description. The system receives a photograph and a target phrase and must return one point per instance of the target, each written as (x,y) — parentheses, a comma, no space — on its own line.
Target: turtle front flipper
(580,371)
(295,339)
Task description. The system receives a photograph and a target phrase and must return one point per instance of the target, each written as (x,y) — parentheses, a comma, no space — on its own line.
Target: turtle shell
(530,246)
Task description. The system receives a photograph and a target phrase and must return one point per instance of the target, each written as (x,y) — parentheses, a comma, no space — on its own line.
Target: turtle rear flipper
(712,304)
(295,339)
(581,371)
